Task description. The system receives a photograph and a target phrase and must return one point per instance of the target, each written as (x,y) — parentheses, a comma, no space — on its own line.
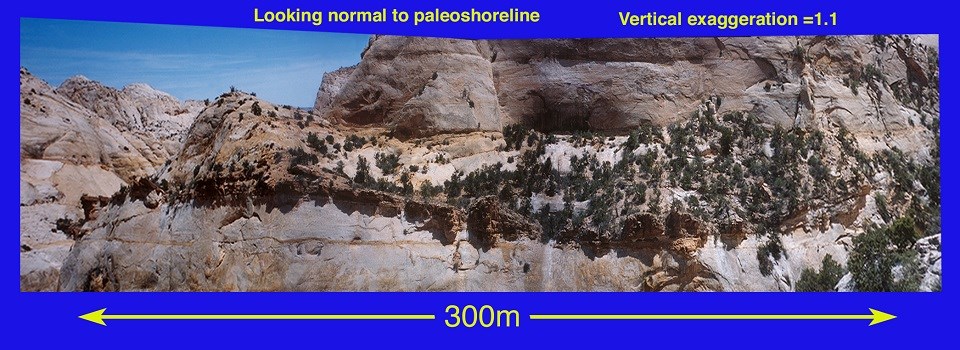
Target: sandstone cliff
(877,87)
(330,86)
(154,120)
(78,145)
(727,164)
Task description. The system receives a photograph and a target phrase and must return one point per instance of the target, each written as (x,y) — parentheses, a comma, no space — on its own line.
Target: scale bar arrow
(99,317)
(875,317)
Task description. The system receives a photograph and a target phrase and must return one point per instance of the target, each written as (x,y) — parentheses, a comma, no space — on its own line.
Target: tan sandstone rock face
(423,86)
(236,214)
(331,85)
(152,120)
(727,164)
(78,145)
(55,128)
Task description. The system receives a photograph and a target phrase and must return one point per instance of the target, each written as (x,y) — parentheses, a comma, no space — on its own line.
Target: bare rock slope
(155,120)
(78,145)
(423,86)
(639,165)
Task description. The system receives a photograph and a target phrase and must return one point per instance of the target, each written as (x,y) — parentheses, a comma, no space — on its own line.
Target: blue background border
(50,319)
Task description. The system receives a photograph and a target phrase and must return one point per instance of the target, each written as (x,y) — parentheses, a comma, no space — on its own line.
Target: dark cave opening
(560,123)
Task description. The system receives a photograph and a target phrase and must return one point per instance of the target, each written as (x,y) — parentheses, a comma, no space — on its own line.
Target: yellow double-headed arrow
(98,317)
(875,317)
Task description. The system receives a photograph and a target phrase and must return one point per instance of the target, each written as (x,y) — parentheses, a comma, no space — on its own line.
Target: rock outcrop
(152,120)
(707,164)
(330,86)
(420,86)
(78,144)
(874,86)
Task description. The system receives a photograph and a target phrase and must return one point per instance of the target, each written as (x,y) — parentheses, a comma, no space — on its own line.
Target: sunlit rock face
(705,164)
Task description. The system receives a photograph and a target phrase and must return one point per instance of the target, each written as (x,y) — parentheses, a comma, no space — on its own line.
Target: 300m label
(486,316)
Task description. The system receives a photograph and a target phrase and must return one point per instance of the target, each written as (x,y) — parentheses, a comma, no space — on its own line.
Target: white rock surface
(83,139)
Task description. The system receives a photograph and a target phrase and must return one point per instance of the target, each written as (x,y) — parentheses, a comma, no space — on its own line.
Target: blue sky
(188,62)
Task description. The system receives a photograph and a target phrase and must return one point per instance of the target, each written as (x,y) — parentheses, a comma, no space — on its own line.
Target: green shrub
(484,181)
(854,84)
(817,169)
(871,262)
(387,162)
(872,73)
(316,143)
(383,185)
(882,207)
(771,249)
(726,142)
(903,233)
(553,222)
(363,172)
(453,187)
(930,180)
(353,142)
(428,190)
(911,275)
(406,185)
(513,136)
(823,281)
(301,157)
(798,53)
(633,141)
(880,41)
